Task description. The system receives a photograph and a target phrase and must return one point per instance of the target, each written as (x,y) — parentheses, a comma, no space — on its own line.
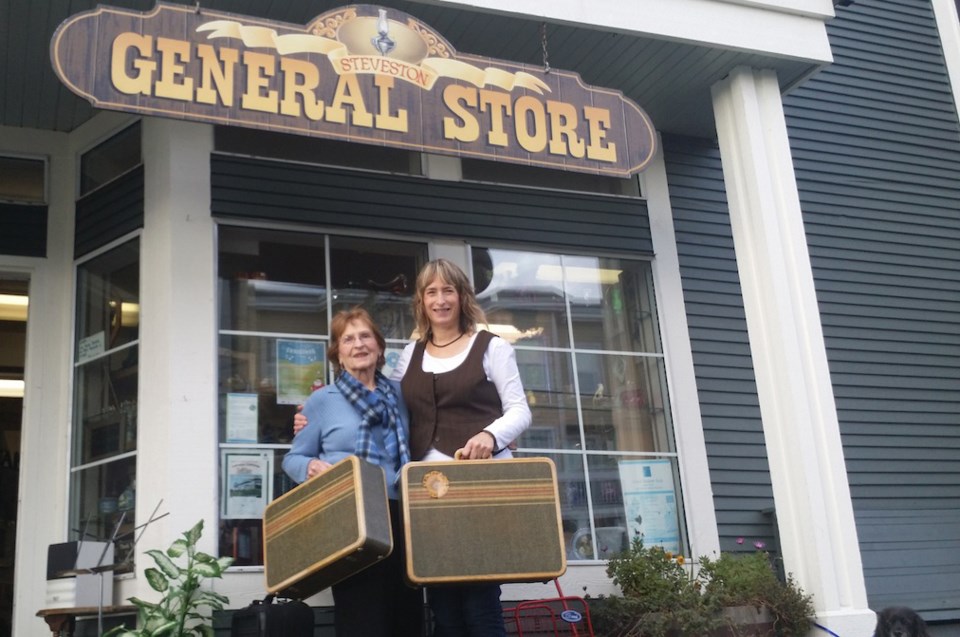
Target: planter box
(746,621)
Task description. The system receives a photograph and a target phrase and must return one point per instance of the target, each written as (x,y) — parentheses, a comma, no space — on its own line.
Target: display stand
(62,621)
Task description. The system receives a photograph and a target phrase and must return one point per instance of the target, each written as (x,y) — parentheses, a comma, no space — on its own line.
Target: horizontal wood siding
(109,212)
(726,385)
(876,147)
(23,230)
(283,191)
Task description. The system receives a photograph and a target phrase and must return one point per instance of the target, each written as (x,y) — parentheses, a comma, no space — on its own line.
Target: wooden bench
(63,621)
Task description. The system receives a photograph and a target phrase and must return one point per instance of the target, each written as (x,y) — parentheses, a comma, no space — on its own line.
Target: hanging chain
(543,46)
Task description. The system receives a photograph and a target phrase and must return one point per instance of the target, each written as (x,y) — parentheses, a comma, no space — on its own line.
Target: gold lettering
(172,83)
(142,80)
(469,131)
(293,69)
(260,68)
(212,73)
(531,142)
(563,126)
(348,92)
(386,121)
(598,123)
(499,105)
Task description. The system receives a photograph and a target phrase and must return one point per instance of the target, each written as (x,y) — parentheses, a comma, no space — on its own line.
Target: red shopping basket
(560,616)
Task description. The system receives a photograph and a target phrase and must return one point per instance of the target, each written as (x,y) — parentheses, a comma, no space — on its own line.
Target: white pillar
(177,433)
(44,452)
(818,534)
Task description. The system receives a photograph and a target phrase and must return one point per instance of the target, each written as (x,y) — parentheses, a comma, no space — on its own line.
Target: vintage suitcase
(266,619)
(326,529)
(482,521)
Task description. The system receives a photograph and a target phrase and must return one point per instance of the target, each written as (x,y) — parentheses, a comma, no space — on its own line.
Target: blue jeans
(466,611)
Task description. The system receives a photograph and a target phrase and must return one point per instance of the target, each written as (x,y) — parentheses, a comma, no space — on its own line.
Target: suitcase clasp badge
(436,484)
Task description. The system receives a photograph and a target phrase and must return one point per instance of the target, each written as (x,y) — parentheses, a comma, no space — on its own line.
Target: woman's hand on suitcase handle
(480,447)
(317,466)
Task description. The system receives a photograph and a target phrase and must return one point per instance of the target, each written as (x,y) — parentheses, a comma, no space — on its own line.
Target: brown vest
(448,409)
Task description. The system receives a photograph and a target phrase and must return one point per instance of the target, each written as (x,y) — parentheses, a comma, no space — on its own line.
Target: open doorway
(13,338)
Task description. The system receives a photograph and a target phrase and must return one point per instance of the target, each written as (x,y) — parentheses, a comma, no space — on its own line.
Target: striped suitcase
(482,521)
(326,529)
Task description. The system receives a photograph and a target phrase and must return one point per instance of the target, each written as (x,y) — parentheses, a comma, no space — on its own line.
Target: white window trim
(698,504)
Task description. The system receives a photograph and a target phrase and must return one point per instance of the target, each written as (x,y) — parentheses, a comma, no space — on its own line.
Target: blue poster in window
(301,369)
(650,502)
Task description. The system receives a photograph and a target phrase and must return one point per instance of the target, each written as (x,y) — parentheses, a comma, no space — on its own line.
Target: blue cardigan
(331,434)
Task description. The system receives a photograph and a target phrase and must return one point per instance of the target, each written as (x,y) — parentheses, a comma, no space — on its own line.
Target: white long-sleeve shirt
(500,366)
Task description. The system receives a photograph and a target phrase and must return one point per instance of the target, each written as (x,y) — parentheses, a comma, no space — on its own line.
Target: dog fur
(900,621)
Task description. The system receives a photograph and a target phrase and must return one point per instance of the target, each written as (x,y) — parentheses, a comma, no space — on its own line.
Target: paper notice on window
(300,370)
(90,347)
(242,417)
(247,483)
(650,502)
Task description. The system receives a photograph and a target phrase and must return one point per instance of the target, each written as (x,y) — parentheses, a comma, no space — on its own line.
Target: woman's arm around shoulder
(401,367)
(308,444)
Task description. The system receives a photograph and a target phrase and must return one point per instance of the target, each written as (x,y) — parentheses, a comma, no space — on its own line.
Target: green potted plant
(178,613)
(663,596)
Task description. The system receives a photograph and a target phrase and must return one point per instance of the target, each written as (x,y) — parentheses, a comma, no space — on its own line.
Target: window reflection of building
(286,286)
(589,355)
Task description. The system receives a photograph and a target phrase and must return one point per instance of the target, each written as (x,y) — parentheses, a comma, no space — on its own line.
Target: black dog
(900,621)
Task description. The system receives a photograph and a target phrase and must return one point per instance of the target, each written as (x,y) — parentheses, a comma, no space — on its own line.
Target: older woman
(361,413)
(464,391)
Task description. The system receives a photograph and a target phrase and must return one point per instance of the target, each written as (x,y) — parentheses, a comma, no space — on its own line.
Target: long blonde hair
(449,272)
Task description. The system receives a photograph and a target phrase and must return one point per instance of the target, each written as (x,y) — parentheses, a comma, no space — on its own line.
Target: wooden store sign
(359,73)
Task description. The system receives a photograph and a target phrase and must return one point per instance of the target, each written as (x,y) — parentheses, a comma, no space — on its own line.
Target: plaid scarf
(377,408)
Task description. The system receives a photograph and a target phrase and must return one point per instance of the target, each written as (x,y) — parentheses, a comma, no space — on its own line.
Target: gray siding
(284,191)
(109,212)
(726,385)
(876,148)
(23,229)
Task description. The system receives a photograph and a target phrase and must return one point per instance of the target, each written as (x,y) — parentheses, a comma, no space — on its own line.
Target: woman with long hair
(463,388)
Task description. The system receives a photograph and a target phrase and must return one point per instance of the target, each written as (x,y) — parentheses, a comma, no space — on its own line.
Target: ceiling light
(578,274)
(11,388)
(13,307)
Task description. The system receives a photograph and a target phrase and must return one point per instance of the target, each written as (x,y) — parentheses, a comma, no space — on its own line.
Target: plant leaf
(156,580)
(215,596)
(193,535)
(204,557)
(205,630)
(166,565)
(143,605)
(164,629)
(178,548)
(207,569)
(225,563)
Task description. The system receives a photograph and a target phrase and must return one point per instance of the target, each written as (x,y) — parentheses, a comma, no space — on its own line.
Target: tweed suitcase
(325,530)
(482,521)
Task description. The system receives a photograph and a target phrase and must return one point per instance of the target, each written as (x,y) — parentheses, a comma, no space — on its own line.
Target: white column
(44,451)
(177,444)
(818,534)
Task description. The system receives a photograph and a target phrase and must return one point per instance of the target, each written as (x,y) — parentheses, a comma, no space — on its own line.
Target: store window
(110,159)
(588,347)
(277,294)
(22,180)
(104,454)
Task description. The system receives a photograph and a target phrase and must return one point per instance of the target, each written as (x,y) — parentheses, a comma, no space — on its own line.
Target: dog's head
(900,621)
